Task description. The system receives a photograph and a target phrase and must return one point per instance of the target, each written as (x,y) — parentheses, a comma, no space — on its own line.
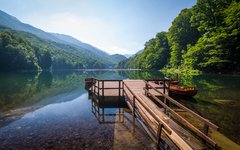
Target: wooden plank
(150,119)
(183,133)
(152,115)
(193,128)
(185,108)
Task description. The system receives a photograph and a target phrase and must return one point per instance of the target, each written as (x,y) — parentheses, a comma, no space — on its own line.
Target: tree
(181,34)
(16,53)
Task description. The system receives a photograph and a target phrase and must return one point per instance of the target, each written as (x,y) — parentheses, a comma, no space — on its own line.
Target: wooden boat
(183,91)
(89,80)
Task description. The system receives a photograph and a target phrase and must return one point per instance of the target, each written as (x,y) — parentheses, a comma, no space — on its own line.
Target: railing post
(102,88)
(134,106)
(119,90)
(98,89)
(94,88)
(169,81)
(92,85)
(134,125)
(165,102)
(164,86)
(159,132)
(122,88)
(146,87)
(205,129)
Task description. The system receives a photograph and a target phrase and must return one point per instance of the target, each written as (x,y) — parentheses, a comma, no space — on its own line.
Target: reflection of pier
(100,107)
(112,111)
(150,104)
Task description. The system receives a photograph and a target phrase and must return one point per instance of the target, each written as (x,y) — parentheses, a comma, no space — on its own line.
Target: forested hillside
(64,51)
(204,37)
(21,50)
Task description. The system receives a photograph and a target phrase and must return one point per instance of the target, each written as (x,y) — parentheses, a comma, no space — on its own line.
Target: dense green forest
(204,37)
(25,51)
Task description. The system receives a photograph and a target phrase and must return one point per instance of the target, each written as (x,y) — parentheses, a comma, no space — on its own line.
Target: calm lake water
(54,111)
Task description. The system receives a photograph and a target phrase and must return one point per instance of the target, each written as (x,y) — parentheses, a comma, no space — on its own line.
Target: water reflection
(127,132)
(25,96)
(108,111)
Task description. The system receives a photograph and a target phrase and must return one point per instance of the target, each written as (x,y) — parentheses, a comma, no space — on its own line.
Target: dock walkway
(149,103)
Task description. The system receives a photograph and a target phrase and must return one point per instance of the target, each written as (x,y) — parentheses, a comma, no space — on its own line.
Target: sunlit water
(54,111)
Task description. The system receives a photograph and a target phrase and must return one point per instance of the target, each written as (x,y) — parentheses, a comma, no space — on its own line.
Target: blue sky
(116,26)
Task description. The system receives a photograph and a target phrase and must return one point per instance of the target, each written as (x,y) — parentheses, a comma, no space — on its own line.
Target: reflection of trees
(44,79)
(186,79)
(16,87)
(217,100)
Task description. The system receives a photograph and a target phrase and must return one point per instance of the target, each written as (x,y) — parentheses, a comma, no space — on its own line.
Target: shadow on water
(180,98)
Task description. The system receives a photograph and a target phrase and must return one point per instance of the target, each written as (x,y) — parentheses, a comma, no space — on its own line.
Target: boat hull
(184,91)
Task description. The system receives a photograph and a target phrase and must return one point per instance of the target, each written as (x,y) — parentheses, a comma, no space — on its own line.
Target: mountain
(125,63)
(13,23)
(64,43)
(23,51)
(71,40)
(128,55)
(118,57)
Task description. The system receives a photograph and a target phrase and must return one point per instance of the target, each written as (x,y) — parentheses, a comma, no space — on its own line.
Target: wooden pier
(149,103)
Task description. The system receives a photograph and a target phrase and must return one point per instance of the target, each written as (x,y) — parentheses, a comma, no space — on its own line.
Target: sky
(115,26)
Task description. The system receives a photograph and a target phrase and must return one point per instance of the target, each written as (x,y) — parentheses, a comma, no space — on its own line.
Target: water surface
(53,110)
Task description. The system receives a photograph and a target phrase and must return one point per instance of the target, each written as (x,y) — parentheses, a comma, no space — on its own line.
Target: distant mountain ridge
(76,46)
(13,23)
(118,57)
(71,40)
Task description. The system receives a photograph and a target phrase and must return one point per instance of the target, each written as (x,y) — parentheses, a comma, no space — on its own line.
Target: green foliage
(204,37)
(180,35)
(16,53)
(154,56)
(217,50)
(24,51)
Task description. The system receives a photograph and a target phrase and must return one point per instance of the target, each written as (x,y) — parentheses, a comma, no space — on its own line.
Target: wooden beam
(187,109)
(192,127)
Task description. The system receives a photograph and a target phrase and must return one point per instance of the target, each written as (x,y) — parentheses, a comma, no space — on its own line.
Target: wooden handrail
(164,79)
(167,129)
(192,127)
(99,81)
(185,108)
(109,80)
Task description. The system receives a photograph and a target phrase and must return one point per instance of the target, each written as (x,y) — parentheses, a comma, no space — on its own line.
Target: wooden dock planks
(111,88)
(181,137)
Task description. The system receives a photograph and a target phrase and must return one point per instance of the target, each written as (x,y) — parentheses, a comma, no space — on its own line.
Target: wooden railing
(206,122)
(161,125)
(165,81)
(97,88)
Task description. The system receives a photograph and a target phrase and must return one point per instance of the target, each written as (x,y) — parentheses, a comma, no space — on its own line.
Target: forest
(25,51)
(203,38)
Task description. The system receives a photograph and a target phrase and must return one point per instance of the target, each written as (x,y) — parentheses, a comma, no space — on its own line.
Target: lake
(54,111)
